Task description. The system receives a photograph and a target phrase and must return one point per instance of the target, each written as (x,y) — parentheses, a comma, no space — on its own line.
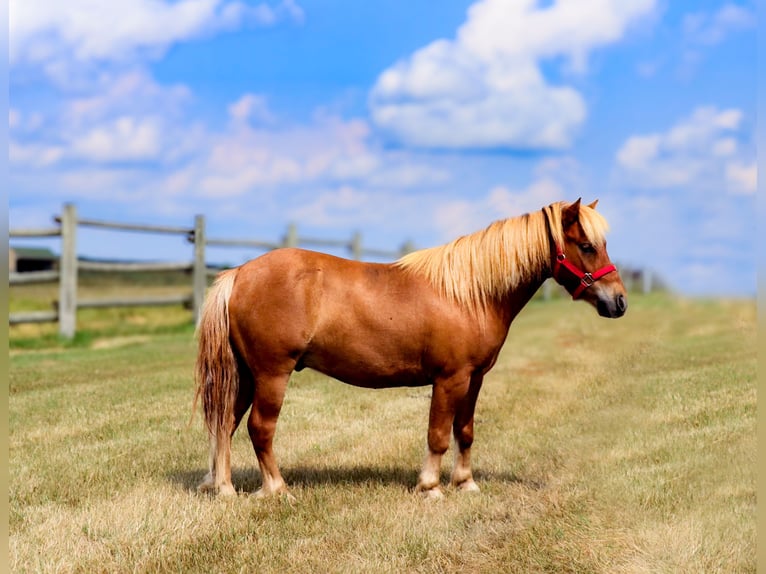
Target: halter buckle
(587,279)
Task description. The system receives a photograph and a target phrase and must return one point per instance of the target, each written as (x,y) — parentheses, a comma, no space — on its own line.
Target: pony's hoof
(226,490)
(206,488)
(282,493)
(468,486)
(434,493)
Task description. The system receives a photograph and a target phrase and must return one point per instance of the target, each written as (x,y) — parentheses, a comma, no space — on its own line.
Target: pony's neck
(516,299)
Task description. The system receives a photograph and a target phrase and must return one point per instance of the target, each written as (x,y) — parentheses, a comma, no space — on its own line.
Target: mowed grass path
(601,446)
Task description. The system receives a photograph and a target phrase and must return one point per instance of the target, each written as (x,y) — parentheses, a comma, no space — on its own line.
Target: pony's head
(580,261)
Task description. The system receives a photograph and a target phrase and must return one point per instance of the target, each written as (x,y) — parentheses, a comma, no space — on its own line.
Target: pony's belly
(367,376)
(386,382)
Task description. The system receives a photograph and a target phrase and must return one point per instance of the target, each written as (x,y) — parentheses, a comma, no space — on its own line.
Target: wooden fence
(65,308)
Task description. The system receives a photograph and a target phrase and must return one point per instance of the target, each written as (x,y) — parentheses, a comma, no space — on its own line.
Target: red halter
(586,279)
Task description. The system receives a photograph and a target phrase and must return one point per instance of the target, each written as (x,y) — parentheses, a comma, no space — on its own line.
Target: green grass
(601,446)
(102,323)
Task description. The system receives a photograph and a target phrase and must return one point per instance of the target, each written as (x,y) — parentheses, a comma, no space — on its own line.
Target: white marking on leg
(462,477)
(271,485)
(208,483)
(428,481)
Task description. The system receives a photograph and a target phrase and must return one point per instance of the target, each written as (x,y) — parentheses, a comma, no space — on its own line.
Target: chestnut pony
(435,317)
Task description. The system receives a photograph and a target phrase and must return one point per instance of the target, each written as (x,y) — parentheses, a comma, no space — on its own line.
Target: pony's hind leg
(218,478)
(267,403)
(208,483)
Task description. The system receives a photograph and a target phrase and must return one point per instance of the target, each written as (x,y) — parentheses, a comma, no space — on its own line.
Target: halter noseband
(585,279)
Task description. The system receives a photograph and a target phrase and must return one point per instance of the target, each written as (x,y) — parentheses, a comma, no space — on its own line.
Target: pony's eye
(587,248)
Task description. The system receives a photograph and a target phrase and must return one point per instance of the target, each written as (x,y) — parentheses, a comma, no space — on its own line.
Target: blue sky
(412,120)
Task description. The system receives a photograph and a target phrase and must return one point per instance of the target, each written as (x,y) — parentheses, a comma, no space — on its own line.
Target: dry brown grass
(602,446)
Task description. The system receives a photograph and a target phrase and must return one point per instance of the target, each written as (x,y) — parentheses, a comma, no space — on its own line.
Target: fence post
(199,279)
(67,307)
(356,246)
(291,238)
(547,290)
(647,281)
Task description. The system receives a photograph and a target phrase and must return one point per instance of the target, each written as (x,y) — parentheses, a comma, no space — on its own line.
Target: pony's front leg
(462,476)
(428,480)
(447,394)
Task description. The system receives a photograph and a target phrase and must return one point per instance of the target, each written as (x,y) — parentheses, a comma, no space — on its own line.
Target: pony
(437,316)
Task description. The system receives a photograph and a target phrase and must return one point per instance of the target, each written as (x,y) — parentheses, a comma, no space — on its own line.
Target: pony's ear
(594,204)
(571,214)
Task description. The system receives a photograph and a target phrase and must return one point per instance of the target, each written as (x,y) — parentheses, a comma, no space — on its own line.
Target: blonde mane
(485,266)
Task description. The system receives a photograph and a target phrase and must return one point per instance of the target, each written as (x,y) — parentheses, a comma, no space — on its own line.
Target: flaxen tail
(216,376)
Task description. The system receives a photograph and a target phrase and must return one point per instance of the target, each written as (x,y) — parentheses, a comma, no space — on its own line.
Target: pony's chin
(612,309)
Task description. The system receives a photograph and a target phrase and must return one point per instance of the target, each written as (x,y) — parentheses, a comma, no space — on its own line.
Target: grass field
(601,446)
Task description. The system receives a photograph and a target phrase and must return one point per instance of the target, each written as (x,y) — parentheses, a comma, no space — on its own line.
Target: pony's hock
(435,317)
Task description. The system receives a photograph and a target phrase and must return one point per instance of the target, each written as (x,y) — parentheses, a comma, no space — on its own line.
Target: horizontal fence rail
(156,301)
(242,243)
(33,277)
(132,226)
(116,267)
(22,317)
(47,232)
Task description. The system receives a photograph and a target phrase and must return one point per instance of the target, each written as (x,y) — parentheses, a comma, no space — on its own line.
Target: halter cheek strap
(585,279)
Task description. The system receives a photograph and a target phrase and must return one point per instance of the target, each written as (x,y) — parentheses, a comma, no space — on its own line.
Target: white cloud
(129,129)
(34,155)
(125,117)
(638,151)
(701,31)
(343,206)
(247,157)
(485,88)
(62,37)
(126,91)
(743,177)
(329,152)
(251,108)
(14,118)
(125,138)
(702,152)
(708,29)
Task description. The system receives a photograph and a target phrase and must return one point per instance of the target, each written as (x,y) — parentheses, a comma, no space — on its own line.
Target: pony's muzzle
(613,307)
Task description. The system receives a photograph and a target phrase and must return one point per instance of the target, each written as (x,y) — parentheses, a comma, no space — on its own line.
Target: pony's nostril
(622,303)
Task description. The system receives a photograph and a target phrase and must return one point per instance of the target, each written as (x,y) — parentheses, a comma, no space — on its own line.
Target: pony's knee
(438,441)
(463,432)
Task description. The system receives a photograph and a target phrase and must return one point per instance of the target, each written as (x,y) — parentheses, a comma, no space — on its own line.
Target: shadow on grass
(248,479)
